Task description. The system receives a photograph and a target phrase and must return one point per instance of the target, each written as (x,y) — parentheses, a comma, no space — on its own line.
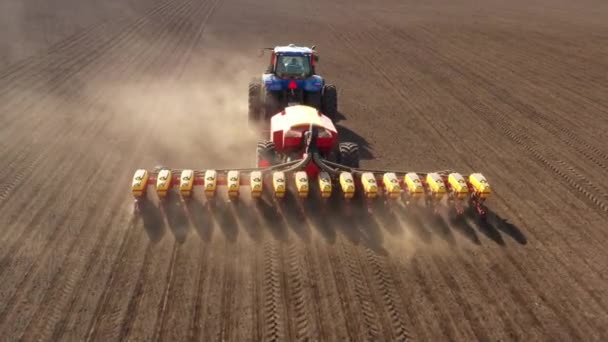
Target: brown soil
(516,90)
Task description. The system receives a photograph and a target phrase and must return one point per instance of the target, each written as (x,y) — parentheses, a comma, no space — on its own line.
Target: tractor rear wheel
(330,101)
(314,99)
(349,154)
(266,154)
(255,105)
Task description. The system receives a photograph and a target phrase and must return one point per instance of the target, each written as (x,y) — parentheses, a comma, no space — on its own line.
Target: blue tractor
(291,80)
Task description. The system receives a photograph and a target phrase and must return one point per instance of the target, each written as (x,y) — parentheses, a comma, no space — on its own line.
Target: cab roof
(299,116)
(293,49)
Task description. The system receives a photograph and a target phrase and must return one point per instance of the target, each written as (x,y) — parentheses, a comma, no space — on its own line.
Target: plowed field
(89,92)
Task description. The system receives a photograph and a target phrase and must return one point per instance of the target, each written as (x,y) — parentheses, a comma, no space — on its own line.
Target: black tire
(271,104)
(330,101)
(255,103)
(314,99)
(266,151)
(349,154)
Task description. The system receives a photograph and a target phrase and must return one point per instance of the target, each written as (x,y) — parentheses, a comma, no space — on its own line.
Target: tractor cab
(292,62)
(290,80)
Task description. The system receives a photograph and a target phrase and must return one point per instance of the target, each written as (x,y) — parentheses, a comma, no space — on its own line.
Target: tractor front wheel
(266,154)
(330,101)
(349,154)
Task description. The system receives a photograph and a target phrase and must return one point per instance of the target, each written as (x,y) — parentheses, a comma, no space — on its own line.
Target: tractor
(290,79)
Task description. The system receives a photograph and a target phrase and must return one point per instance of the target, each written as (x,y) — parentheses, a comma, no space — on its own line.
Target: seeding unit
(304,159)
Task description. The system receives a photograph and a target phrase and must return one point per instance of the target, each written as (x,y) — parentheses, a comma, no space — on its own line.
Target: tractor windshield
(293,66)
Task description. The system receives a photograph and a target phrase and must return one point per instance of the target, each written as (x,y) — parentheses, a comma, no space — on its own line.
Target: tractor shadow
(461,225)
(348,135)
(339,117)
(494,226)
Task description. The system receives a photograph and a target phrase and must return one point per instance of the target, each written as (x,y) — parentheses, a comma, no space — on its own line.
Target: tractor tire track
(297,297)
(274,329)
(362,292)
(393,305)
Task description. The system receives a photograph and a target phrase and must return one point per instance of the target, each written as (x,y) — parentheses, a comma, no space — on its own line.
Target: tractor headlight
(324,133)
(293,134)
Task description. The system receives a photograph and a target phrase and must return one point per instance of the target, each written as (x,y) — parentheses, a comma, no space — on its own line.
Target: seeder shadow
(246,214)
(438,225)
(177,218)
(153,222)
(390,219)
(273,219)
(348,135)
(322,215)
(202,219)
(411,217)
(226,219)
(362,228)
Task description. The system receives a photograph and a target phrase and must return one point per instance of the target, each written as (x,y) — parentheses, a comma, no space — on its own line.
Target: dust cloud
(195,119)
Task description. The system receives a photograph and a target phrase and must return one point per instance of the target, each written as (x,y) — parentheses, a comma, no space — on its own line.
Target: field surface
(91,91)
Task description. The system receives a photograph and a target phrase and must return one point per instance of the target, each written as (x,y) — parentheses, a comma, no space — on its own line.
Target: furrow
(101,315)
(57,303)
(201,279)
(45,255)
(228,293)
(169,286)
(78,63)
